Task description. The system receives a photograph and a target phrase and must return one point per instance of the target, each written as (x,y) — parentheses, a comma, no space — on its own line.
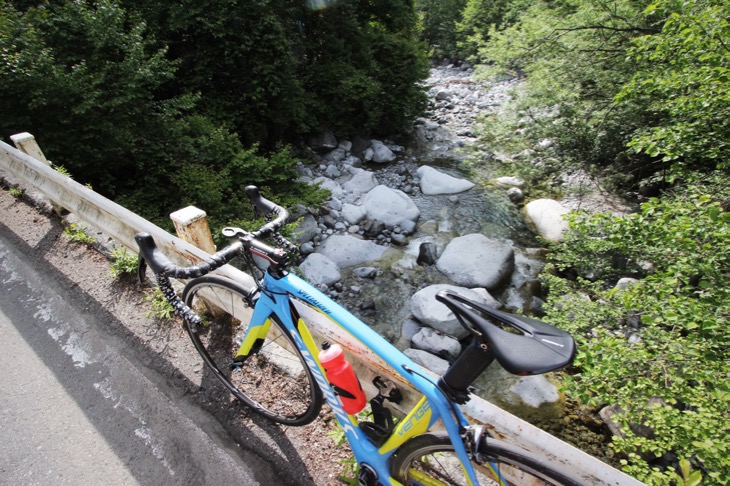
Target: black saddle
(523,346)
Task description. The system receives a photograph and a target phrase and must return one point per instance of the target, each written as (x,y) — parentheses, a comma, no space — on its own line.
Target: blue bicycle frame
(275,299)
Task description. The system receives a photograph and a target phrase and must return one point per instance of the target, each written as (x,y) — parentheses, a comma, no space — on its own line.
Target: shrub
(665,337)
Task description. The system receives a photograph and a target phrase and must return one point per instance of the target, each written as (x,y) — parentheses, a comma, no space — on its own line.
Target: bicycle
(257,344)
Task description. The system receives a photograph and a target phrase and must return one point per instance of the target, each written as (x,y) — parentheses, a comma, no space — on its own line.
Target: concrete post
(191,225)
(26,143)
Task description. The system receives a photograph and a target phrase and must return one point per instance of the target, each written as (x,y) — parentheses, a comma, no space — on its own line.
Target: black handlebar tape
(216,260)
(181,309)
(161,265)
(262,204)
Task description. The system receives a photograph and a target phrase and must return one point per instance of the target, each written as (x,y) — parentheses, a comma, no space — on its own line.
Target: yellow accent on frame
(252,337)
(415,423)
(309,342)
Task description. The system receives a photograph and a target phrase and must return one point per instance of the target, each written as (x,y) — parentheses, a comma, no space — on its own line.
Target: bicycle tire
(430,459)
(275,380)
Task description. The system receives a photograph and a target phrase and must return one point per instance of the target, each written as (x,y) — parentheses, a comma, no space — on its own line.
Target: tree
(244,60)
(572,57)
(277,70)
(84,81)
(90,82)
(439,19)
(659,349)
(683,77)
(364,66)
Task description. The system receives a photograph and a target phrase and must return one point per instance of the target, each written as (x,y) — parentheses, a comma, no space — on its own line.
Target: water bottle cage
(383,424)
(341,392)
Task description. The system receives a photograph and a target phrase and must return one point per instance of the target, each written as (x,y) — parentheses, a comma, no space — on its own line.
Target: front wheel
(430,459)
(273,379)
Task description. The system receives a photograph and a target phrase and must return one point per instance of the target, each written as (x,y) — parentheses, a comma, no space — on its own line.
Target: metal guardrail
(122,224)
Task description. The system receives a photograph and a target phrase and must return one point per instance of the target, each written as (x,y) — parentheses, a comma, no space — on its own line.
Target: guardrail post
(191,225)
(26,143)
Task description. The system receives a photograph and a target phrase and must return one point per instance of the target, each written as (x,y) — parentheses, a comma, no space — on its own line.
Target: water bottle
(342,378)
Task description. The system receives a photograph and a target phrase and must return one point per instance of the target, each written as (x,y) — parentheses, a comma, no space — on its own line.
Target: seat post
(465,370)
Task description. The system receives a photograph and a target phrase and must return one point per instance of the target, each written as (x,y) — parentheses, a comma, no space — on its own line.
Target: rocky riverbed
(404,221)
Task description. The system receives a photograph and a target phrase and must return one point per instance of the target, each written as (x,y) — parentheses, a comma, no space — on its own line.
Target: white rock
(547,216)
(347,250)
(428,360)
(625,283)
(410,328)
(535,390)
(435,342)
(352,214)
(511,181)
(390,206)
(306,230)
(330,185)
(320,270)
(436,182)
(477,261)
(381,153)
(433,313)
(362,182)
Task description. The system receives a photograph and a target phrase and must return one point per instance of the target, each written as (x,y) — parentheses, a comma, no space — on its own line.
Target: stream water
(384,302)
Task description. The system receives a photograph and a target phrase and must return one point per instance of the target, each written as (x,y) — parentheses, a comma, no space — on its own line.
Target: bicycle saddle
(523,346)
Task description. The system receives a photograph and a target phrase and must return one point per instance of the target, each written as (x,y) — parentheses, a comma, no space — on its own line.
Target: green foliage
(160,105)
(123,262)
(478,18)
(83,79)
(160,308)
(62,170)
(572,55)
(683,77)
(77,233)
(439,20)
(364,65)
(16,192)
(677,319)
(350,472)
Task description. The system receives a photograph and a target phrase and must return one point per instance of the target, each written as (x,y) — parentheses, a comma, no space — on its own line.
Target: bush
(665,337)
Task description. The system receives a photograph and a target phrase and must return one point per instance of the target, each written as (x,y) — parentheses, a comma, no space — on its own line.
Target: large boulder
(306,230)
(438,343)
(477,261)
(320,270)
(362,182)
(352,214)
(433,313)
(436,182)
(347,251)
(535,390)
(429,361)
(330,185)
(381,153)
(547,217)
(390,206)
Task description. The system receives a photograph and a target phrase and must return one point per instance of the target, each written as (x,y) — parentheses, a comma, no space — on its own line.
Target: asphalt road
(78,407)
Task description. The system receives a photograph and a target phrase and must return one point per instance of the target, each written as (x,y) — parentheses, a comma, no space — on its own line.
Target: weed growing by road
(159,307)
(78,234)
(123,262)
